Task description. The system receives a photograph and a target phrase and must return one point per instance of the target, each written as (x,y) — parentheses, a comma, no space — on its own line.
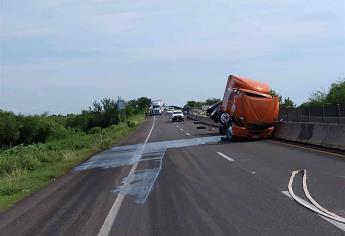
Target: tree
(317,98)
(143,103)
(211,101)
(30,128)
(336,94)
(9,128)
(288,103)
(276,94)
(194,104)
(132,104)
(131,107)
(110,112)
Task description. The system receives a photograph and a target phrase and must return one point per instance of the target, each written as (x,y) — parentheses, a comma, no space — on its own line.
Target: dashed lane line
(225,156)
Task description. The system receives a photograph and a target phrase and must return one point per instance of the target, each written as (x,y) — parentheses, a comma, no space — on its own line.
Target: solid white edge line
(109,221)
(333,222)
(225,156)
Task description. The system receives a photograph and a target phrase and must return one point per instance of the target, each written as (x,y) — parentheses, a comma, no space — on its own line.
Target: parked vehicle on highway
(247,110)
(177,115)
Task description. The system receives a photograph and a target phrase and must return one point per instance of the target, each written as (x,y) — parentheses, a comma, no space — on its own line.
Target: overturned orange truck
(248,109)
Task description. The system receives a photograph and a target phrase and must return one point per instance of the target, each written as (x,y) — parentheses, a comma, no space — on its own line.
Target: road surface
(186,181)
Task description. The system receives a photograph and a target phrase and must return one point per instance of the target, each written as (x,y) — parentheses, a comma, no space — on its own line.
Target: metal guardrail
(321,114)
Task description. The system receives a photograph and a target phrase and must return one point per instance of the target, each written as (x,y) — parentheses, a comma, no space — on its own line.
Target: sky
(58,56)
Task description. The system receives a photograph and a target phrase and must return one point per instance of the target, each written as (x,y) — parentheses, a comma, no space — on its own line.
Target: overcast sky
(60,55)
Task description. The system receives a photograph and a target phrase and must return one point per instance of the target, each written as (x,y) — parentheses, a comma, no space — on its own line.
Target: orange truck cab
(248,110)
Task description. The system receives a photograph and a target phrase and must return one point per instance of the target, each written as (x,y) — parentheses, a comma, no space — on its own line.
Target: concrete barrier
(322,134)
(203,119)
(328,135)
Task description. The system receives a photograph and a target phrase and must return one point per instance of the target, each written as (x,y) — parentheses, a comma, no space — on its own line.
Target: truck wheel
(222,130)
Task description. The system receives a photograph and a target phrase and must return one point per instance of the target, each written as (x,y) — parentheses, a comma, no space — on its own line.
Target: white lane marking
(313,205)
(225,156)
(181,129)
(109,221)
(188,134)
(335,223)
(177,126)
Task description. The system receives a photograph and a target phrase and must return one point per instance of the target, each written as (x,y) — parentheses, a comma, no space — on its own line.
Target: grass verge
(25,169)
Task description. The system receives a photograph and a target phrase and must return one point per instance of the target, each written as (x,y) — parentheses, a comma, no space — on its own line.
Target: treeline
(334,95)
(207,102)
(22,129)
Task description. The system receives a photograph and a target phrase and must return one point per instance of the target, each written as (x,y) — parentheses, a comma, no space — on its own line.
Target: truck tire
(215,116)
(222,130)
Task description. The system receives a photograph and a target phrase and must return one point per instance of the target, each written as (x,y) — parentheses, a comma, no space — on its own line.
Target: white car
(177,115)
(170,110)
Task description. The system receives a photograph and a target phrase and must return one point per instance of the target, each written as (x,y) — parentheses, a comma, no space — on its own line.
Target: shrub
(95,130)
(9,128)
(29,129)
(131,123)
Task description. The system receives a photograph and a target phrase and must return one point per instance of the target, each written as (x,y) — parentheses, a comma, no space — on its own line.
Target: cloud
(149,47)
(25,31)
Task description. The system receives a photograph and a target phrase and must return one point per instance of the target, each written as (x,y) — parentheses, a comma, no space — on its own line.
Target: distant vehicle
(177,116)
(170,110)
(156,107)
(247,110)
(186,110)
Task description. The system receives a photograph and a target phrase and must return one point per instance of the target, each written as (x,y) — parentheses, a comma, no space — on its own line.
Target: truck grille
(257,127)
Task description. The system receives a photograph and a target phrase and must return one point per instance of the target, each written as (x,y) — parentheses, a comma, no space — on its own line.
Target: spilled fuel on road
(140,184)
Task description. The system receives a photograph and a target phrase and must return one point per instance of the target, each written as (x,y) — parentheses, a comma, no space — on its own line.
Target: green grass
(26,169)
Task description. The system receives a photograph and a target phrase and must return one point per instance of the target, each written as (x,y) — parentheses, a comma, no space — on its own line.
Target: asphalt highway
(182,179)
